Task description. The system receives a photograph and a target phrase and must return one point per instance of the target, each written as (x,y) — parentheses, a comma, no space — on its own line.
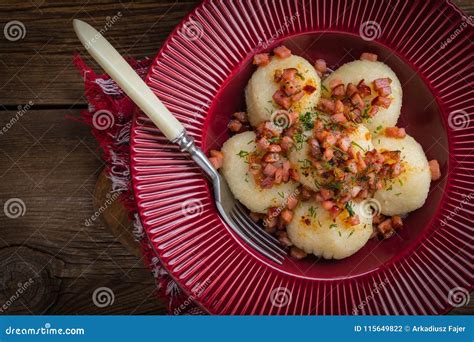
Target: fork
(229,208)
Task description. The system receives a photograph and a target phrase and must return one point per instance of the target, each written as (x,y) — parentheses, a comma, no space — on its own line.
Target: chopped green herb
(352,232)
(306,120)
(324,88)
(312,211)
(281,194)
(339,233)
(356,144)
(400,181)
(251,141)
(389,188)
(398,194)
(378,129)
(349,208)
(332,226)
(243,154)
(300,75)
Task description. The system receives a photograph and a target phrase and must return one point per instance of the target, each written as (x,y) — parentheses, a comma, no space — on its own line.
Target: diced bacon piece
(306,193)
(271,157)
(281,99)
(267,183)
(291,87)
(320,66)
(298,96)
(217,154)
(284,239)
(297,253)
(263,144)
(326,105)
(385,91)
(372,111)
(286,171)
(278,76)
(334,211)
(274,148)
(327,205)
(234,125)
(286,143)
(351,89)
(241,116)
(278,176)
(338,106)
(269,170)
(294,174)
(435,170)
(327,194)
(335,82)
(357,101)
(382,82)
(354,220)
(314,148)
(367,56)
(382,101)
(282,51)
(395,132)
(216,162)
(363,89)
(339,118)
(292,202)
(255,217)
(289,74)
(351,166)
(397,222)
(385,228)
(339,91)
(287,216)
(309,89)
(261,59)
(344,143)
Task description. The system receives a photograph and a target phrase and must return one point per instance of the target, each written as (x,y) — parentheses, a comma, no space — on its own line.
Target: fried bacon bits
(385,227)
(434,169)
(239,123)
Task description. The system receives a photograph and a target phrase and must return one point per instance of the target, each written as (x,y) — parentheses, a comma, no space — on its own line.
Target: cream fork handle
(122,73)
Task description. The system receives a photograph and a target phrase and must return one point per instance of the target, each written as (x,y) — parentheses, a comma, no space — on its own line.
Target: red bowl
(200,74)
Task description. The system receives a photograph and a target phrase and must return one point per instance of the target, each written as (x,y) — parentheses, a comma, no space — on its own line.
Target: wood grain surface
(52,164)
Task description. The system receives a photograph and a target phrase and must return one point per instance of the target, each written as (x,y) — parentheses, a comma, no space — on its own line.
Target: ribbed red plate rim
(200,252)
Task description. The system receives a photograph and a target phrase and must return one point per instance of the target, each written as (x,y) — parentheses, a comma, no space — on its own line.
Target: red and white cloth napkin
(110,115)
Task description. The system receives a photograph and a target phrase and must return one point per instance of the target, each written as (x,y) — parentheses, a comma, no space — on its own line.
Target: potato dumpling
(235,170)
(369,71)
(261,87)
(362,141)
(409,190)
(315,231)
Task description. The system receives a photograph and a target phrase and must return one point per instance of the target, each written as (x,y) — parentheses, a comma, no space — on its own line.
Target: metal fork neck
(186,144)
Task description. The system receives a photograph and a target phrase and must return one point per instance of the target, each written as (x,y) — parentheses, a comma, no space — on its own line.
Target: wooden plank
(39,67)
(51,164)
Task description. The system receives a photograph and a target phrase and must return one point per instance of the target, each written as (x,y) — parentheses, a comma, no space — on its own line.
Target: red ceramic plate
(200,74)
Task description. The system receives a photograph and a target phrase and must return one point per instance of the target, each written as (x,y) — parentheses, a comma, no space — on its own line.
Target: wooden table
(52,163)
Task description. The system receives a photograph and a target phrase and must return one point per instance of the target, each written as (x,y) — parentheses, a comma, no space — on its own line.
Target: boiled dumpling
(235,170)
(261,87)
(315,231)
(355,71)
(409,190)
